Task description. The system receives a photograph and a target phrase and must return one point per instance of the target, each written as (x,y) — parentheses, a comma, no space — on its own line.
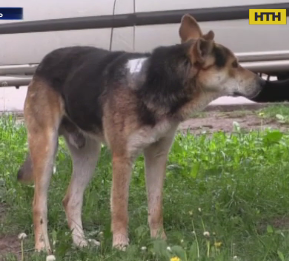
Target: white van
(139,25)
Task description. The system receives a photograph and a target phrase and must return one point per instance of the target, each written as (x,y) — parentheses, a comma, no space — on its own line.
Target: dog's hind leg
(84,162)
(42,113)
(76,138)
(24,174)
(155,169)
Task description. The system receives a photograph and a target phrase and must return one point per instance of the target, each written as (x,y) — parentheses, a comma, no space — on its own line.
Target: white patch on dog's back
(135,65)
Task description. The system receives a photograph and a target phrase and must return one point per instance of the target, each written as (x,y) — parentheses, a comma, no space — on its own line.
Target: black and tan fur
(89,96)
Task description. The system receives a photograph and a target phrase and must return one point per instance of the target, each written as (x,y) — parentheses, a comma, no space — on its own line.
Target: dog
(133,103)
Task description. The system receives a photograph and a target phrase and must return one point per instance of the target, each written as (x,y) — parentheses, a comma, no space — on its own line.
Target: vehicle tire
(274,91)
(283,76)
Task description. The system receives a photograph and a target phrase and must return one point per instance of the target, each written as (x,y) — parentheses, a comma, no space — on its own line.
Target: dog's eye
(235,64)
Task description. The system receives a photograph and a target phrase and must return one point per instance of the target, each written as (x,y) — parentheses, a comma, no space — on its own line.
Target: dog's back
(59,64)
(81,75)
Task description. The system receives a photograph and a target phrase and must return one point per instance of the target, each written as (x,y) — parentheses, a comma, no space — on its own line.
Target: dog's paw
(158,233)
(41,248)
(82,243)
(120,242)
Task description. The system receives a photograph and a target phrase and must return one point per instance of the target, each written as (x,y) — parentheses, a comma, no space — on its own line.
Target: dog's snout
(256,88)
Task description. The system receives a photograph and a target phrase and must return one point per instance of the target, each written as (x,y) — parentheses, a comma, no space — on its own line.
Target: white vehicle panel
(236,35)
(31,47)
(162,5)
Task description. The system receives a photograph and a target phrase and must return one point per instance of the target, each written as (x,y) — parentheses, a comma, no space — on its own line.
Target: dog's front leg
(155,168)
(121,172)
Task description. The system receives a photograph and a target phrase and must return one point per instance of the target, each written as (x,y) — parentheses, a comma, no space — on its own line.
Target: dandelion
(236,126)
(196,238)
(50,258)
(206,233)
(21,237)
(175,259)
(218,244)
(169,249)
(143,248)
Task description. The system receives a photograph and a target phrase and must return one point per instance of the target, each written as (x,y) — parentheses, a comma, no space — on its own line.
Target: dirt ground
(224,121)
(8,243)
(207,121)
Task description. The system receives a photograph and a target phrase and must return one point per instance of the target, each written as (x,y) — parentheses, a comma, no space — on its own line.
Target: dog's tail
(24,174)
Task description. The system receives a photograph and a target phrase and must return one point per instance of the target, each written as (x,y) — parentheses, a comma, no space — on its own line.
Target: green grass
(278,112)
(233,186)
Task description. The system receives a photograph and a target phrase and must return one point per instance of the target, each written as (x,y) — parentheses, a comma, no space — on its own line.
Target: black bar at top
(137,19)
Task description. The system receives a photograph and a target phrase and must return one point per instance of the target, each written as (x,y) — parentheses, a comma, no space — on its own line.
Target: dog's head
(213,66)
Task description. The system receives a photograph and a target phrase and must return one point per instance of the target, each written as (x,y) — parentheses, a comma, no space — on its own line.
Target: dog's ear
(189,29)
(209,36)
(201,50)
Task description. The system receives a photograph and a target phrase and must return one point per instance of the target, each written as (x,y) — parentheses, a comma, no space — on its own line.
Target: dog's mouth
(251,96)
(255,94)
(236,94)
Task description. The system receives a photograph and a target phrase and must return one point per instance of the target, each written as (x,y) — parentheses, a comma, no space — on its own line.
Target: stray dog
(133,103)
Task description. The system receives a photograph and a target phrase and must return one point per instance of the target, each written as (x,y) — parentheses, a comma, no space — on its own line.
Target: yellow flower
(218,244)
(175,259)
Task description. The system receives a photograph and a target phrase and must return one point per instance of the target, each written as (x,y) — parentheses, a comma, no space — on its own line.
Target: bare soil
(224,121)
(9,244)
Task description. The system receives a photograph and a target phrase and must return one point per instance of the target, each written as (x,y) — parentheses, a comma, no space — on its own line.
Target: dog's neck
(164,85)
(161,85)
(198,103)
